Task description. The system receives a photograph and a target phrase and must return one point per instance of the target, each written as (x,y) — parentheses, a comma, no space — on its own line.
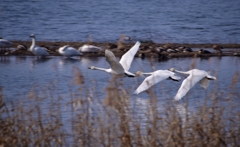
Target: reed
(81,118)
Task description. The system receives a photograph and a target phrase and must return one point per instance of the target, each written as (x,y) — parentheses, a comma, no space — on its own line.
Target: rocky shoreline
(147,49)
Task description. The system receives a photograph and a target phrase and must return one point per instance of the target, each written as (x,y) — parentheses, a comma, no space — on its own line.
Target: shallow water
(186,21)
(19,74)
(51,85)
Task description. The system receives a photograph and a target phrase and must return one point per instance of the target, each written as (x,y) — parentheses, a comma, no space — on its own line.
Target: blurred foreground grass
(81,119)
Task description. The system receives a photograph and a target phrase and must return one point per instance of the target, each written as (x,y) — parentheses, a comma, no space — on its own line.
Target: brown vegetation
(115,123)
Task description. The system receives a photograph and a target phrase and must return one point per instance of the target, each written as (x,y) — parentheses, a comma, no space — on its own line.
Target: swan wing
(73,51)
(127,58)
(5,43)
(204,83)
(115,65)
(39,51)
(187,84)
(173,76)
(89,48)
(155,78)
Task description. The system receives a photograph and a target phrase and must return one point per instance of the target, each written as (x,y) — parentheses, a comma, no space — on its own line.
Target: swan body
(154,78)
(121,67)
(5,43)
(37,50)
(69,51)
(195,76)
(21,47)
(89,48)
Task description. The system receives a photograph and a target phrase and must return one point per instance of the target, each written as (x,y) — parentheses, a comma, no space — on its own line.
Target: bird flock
(121,68)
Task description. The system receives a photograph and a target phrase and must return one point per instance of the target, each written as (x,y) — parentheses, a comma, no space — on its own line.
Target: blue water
(185,21)
(21,74)
(50,84)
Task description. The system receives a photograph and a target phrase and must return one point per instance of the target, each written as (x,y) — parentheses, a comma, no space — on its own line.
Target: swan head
(21,47)
(32,36)
(92,67)
(139,73)
(171,69)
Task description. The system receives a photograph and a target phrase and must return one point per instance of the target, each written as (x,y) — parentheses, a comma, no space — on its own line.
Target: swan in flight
(37,50)
(121,67)
(154,78)
(89,48)
(69,51)
(195,76)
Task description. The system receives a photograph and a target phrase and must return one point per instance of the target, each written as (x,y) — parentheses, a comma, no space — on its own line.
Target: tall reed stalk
(80,118)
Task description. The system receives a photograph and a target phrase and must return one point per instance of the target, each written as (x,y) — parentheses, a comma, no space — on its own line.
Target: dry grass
(81,119)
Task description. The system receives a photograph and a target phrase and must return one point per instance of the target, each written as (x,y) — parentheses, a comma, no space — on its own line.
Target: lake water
(186,21)
(57,75)
(50,84)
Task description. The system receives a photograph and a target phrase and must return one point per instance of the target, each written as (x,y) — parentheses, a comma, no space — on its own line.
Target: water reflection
(17,72)
(65,61)
(182,111)
(93,61)
(4,59)
(39,61)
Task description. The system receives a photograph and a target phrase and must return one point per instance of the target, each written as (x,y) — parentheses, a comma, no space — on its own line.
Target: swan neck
(147,73)
(102,69)
(33,42)
(181,72)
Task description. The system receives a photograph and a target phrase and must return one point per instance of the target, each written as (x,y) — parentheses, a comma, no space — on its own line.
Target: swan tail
(129,74)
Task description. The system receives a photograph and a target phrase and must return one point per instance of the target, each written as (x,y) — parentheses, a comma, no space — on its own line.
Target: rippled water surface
(21,74)
(53,83)
(186,21)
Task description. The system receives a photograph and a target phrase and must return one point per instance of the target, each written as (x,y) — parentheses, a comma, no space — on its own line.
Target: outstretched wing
(204,83)
(148,82)
(127,58)
(111,59)
(187,84)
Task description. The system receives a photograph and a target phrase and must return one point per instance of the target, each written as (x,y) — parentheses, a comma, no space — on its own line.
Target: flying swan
(121,67)
(69,51)
(195,76)
(37,50)
(154,78)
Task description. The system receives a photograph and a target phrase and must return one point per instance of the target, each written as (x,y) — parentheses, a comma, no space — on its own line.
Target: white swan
(154,78)
(37,50)
(5,43)
(121,67)
(89,48)
(195,76)
(69,51)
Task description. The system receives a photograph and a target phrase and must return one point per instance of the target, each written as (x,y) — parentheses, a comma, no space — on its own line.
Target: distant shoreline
(147,49)
(76,44)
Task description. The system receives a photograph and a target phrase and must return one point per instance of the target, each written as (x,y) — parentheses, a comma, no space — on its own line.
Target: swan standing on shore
(37,50)
(121,67)
(195,76)
(154,78)
(69,51)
